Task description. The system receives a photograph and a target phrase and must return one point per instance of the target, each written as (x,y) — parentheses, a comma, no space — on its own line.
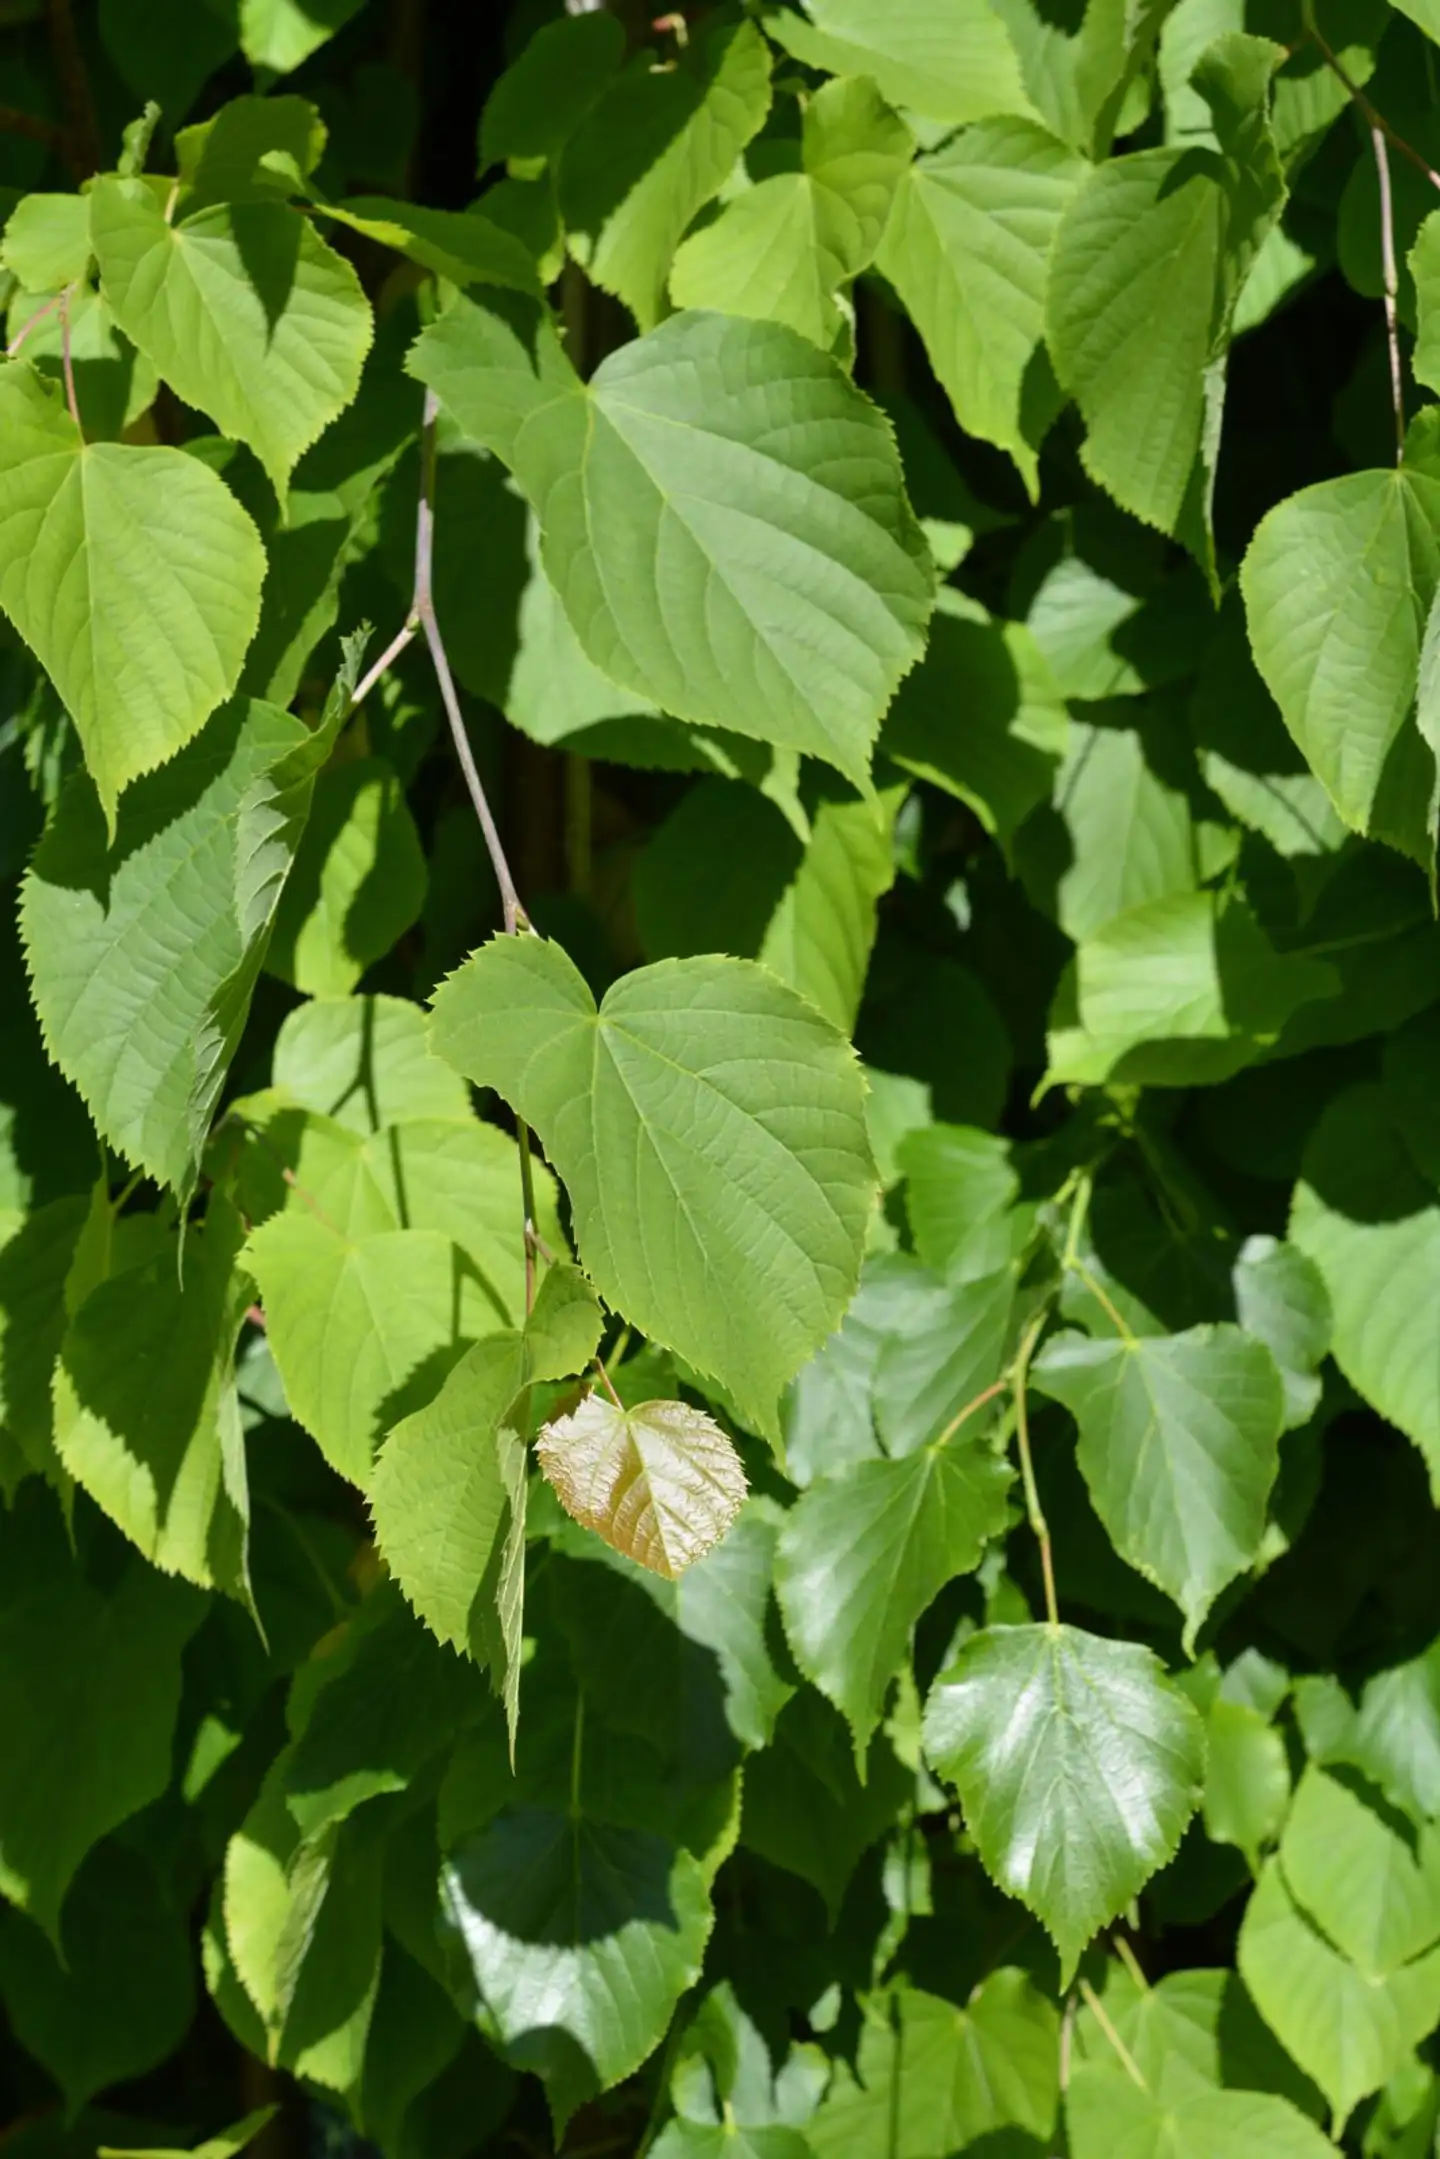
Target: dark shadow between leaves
(267,239)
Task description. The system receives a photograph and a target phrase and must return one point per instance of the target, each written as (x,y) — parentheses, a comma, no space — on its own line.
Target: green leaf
(254,149)
(1020,1723)
(1281,1298)
(968,250)
(357,884)
(1182,992)
(1395,1739)
(980,716)
(225,2144)
(465,246)
(89,1692)
(1338,581)
(762,486)
(1347,2032)
(949,63)
(656,146)
(162,931)
(960,1190)
(373,1706)
(865,1552)
(114,386)
(366,1062)
(820,936)
(248,315)
(133,575)
(1148,265)
(731,1121)
(123,1996)
(930,2077)
(605,1923)
(1247,1778)
(1129,831)
(545,93)
(1106,2113)
(279,34)
(362,1328)
(35,1265)
(661,1481)
(146,1416)
(807,1808)
(784,248)
(1366,1880)
(455,1175)
(1191,2025)
(440,1495)
(47,242)
(1424,268)
(1373,1229)
(303,1929)
(1179,1445)
(164,53)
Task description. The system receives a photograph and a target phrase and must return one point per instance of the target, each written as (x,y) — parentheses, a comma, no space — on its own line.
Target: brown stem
(39,316)
(82,136)
(1375,119)
(1392,287)
(605,1381)
(29,124)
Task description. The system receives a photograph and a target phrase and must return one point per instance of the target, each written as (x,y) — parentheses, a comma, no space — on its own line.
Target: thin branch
(82,136)
(403,636)
(1374,118)
(423,611)
(1122,2053)
(1035,1514)
(70,398)
(38,317)
(1102,1297)
(605,1381)
(15,122)
(962,1416)
(1392,287)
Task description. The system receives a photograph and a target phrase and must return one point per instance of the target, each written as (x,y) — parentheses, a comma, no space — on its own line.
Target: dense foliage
(720,1109)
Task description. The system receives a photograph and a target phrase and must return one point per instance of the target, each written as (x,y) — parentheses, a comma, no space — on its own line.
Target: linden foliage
(719,1153)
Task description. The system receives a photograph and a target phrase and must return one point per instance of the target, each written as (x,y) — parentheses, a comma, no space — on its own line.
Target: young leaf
(146,1419)
(652,150)
(863,1554)
(1018,1724)
(1179,1445)
(820,936)
(1247,1778)
(280,34)
(47,242)
(133,575)
(947,62)
(247,314)
(968,250)
(1337,582)
(784,248)
(763,487)
(660,1482)
(162,930)
(1347,2032)
(225,2144)
(704,1113)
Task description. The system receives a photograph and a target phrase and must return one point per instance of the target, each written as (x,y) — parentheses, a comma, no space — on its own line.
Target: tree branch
(15,122)
(1392,287)
(82,136)
(1363,104)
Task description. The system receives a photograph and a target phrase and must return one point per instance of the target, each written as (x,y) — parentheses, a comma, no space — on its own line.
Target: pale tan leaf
(660,1482)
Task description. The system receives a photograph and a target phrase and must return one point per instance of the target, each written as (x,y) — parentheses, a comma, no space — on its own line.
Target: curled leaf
(661,1482)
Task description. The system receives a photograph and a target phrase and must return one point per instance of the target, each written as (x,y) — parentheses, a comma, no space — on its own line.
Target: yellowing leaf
(660,1482)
